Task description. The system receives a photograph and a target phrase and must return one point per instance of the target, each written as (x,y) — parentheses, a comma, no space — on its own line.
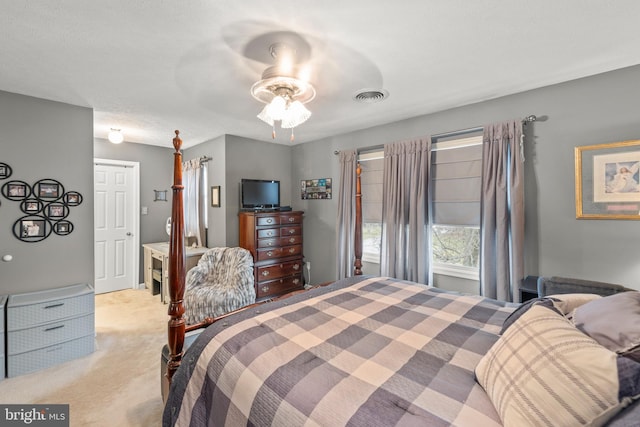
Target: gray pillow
(613,321)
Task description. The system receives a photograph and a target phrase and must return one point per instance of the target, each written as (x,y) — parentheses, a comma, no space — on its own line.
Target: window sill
(462,272)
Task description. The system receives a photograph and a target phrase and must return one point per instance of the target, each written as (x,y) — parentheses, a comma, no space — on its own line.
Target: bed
(369,351)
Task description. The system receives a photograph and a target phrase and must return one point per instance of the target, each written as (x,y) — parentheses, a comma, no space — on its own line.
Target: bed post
(357,246)
(176,328)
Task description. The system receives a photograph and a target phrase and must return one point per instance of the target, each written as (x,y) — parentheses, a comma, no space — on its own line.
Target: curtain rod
(529,119)
(205,159)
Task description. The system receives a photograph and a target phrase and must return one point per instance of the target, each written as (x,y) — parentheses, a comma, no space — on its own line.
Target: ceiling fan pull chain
(273,132)
(292,136)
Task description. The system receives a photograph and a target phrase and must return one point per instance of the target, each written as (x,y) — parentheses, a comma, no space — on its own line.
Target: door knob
(129,234)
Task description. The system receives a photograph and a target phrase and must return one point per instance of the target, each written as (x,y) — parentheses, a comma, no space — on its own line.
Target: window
(456,169)
(372,164)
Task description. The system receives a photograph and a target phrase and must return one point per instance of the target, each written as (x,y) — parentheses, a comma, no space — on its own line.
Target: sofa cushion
(544,371)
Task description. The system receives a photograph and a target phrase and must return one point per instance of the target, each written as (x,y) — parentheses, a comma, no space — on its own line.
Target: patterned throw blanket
(379,352)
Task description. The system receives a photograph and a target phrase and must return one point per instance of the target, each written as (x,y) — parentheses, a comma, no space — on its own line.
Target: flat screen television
(259,194)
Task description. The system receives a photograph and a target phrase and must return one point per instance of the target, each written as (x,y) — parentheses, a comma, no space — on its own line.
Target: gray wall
(44,139)
(248,158)
(156,173)
(592,110)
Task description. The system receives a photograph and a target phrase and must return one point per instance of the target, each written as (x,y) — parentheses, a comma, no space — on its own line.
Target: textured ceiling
(150,66)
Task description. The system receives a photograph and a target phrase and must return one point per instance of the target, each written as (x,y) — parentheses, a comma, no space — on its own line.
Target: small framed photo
(160,196)
(62,228)
(72,198)
(56,210)
(16,190)
(5,171)
(48,190)
(215,196)
(31,206)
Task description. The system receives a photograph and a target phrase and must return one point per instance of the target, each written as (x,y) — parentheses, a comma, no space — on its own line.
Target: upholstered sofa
(563,285)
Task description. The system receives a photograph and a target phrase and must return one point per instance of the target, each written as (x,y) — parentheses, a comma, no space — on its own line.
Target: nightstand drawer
(295,230)
(268,233)
(49,334)
(267,220)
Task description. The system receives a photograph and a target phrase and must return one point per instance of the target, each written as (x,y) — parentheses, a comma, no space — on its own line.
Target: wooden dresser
(275,241)
(49,327)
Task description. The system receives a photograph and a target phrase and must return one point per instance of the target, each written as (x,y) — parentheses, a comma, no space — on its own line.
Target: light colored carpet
(117,385)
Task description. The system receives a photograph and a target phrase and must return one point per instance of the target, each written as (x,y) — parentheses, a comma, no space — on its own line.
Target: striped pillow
(544,371)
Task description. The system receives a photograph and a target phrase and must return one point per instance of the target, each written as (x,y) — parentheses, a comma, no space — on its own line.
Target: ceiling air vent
(371,95)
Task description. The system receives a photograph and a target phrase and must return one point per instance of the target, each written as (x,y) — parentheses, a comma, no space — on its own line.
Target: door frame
(135,213)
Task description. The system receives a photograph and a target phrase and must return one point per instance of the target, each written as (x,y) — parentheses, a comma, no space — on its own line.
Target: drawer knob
(269,233)
(292,231)
(296,266)
(292,250)
(269,253)
(269,221)
(296,281)
(292,240)
(265,273)
(265,289)
(269,243)
(291,219)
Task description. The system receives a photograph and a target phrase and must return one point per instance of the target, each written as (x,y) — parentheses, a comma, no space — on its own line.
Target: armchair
(221,282)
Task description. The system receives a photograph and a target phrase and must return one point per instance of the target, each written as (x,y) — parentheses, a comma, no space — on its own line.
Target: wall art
(607,180)
(315,188)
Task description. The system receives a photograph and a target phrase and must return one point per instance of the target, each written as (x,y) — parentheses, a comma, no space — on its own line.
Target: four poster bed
(370,351)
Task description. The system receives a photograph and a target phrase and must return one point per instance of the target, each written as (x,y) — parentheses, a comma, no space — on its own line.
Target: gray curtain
(194,174)
(405,219)
(502,212)
(346,220)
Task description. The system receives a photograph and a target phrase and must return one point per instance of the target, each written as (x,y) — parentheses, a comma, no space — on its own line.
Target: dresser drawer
(267,233)
(267,220)
(49,334)
(276,271)
(279,286)
(290,219)
(265,254)
(73,301)
(290,240)
(45,357)
(269,243)
(295,230)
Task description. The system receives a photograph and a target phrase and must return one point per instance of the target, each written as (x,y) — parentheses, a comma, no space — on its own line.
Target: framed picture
(31,229)
(72,198)
(62,228)
(607,180)
(16,190)
(215,196)
(315,189)
(56,210)
(47,189)
(5,171)
(160,196)
(31,206)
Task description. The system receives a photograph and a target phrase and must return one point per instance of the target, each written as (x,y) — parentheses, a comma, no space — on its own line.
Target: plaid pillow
(543,371)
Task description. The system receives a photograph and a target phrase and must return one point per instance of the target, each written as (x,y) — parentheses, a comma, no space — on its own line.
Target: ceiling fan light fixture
(283,91)
(115,136)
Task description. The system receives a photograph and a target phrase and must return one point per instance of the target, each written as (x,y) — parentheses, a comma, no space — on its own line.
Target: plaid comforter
(379,352)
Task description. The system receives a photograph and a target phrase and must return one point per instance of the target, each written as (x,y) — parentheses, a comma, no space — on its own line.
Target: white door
(116,225)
